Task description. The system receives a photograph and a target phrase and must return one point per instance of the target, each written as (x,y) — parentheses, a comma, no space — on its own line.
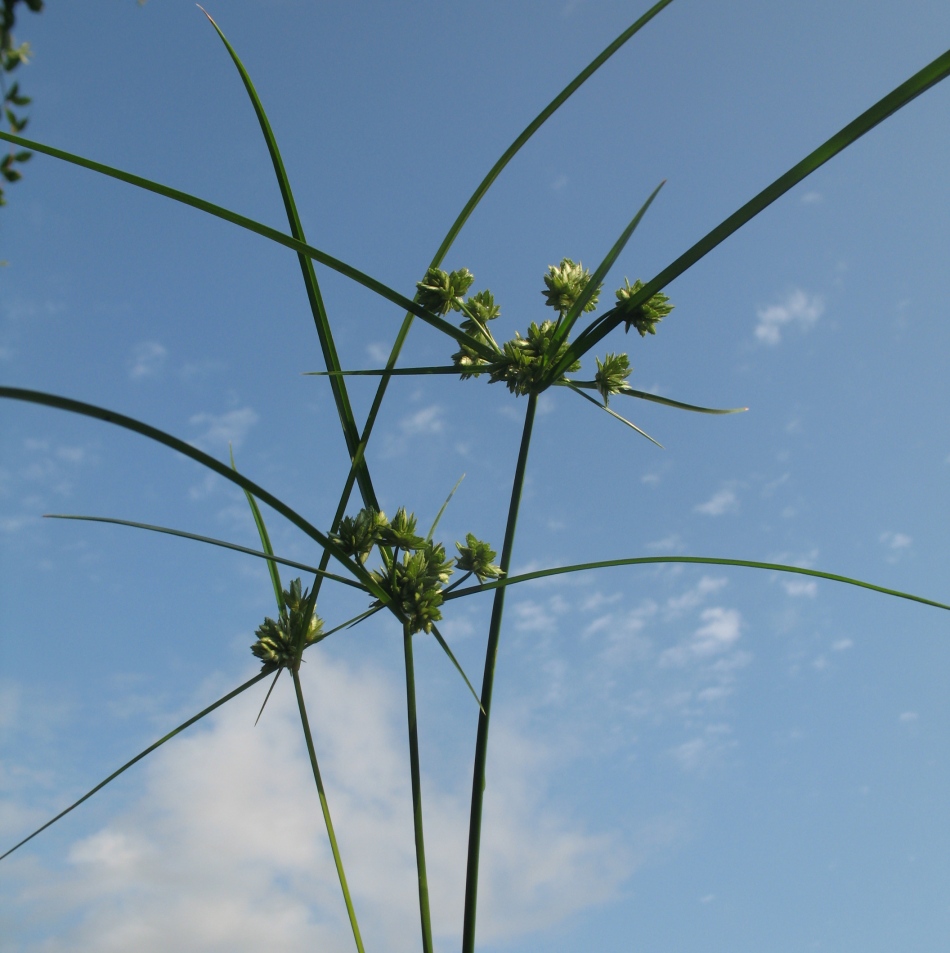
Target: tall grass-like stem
(488,680)
(415,774)
(311,751)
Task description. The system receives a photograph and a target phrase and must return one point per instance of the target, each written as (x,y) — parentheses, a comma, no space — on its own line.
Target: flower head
(612,374)
(280,642)
(565,284)
(441,291)
(476,557)
(645,316)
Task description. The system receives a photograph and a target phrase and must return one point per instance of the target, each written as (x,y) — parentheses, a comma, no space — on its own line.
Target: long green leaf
(269,556)
(600,273)
(612,413)
(128,764)
(473,202)
(264,230)
(442,508)
(153,433)
(692,560)
(538,121)
(315,298)
(265,542)
(919,83)
(667,401)
(458,666)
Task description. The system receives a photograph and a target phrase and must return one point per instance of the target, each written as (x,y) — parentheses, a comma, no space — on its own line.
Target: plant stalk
(491,655)
(417,794)
(351,913)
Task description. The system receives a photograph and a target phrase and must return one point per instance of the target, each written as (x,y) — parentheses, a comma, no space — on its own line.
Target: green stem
(491,654)
(417,793)
(326,811)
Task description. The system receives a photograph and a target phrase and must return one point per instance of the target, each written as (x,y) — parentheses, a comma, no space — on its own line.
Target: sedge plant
(400,568)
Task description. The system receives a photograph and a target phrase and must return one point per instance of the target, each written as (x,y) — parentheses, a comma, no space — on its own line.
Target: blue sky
(683,758)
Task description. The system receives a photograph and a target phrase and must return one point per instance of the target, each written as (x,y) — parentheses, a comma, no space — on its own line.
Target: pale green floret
(476,557)
(441,291)
(644,317)
(358,534)
(612,374)
(280,642)
(415,585)
(401,532)
(526,361)
(479,309)
(565,284)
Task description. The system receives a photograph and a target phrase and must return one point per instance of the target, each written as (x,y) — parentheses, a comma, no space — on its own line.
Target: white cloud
(812,198)
(378,352)
(797,307)
(693,597)
(896,543)
(225,848)
(428,420)
(668,544)
(908,717)
(724,501)
(220,430)
(721,629)
(841,645)
(801,587)
(147,360)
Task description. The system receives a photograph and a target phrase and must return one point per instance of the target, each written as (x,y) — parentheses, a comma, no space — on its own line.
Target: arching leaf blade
(223,544)
(159,436)
(693,560)
(919,83)
(314,296)
(354,274)
(128,764)
(601,272)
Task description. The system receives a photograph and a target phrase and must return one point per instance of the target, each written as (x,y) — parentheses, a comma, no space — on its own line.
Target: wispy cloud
(147,360)
(796,308)
(219,430)
(225,847)
(897,544)
(723,501)
(801,587)
(720,630)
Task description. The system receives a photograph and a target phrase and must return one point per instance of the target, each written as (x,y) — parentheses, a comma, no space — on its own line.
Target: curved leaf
(920,82)
(264,230)
(700,560)
(138,757)
(268,555)
(153,433)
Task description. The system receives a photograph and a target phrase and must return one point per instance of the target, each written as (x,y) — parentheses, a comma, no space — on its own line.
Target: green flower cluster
(415,584)
(612,374)
(442,291)
(526,360)
(280,642)
(358,534)
(565,284)
(476,557)
(415,570)
(524,363)
(643,317)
